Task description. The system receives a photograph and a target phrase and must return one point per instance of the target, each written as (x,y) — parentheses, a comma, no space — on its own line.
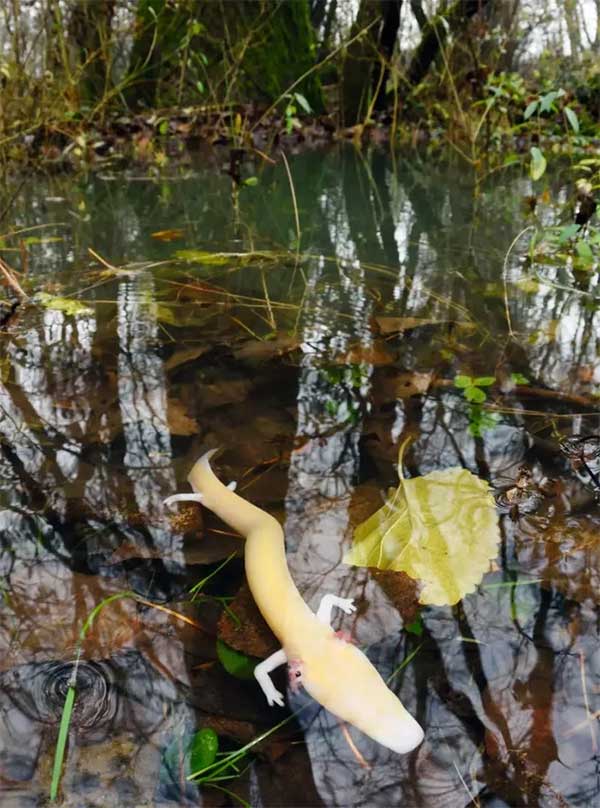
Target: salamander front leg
(327,604)
(170,501)
(261,672)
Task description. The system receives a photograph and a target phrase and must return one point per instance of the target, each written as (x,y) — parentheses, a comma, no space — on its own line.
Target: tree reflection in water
(505,683)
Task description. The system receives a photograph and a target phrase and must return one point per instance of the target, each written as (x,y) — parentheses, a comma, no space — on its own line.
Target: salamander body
(334,672)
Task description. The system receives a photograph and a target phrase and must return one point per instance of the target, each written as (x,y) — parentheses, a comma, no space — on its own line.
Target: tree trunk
(435,32)
(387,41)
(573,29)
(419,15)
(89,32)
(367,57)
(241,48)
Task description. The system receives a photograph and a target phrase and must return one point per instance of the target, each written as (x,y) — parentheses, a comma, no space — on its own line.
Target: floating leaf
(538,163)
(250,181)
(463,381)
(64,304)
(484,381)
(202,749)
(234,662)
(440,529)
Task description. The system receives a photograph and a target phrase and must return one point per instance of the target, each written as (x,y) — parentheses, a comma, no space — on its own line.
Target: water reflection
(289,364)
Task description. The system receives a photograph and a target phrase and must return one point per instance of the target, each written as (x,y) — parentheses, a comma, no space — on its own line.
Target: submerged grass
(65,721)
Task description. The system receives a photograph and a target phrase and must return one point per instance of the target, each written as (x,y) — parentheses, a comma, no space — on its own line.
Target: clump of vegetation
(85,82)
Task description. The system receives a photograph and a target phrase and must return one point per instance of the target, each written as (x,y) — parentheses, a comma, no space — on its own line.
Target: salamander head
(348,685)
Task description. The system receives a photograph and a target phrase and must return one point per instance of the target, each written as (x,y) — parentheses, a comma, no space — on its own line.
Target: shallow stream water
(308,347)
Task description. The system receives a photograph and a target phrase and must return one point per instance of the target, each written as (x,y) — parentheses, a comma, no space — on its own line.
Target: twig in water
(511,333)
(11,279)
(589,716)
(294,202)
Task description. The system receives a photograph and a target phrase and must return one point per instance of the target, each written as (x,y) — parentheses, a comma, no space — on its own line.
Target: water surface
(308,360)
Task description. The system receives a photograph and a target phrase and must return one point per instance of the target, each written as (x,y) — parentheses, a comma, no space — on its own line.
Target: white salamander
(334,672)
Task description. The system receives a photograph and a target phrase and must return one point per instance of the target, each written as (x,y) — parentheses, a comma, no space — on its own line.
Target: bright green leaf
(251,181)
(538,163)
(202,749)
(463,381)
(573,119)
(518,378)
(416,627)
(531,108)
(475,394)
(29,240)
(440,529)
(484,381)
(584,251)
(567,233)
(303,102)
(546,101)
(234,662)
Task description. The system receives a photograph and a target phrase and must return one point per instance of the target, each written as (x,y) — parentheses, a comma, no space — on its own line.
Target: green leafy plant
(473,389)
(293,102)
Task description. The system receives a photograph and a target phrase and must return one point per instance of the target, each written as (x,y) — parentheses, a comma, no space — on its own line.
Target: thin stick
(504,279)
(11,280)
(588,714)
(101,260)
(293,192)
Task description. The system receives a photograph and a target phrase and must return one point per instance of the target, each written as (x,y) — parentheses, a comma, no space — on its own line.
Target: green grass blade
(63,734)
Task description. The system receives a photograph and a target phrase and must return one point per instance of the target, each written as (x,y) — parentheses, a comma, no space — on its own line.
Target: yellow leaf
(440,529)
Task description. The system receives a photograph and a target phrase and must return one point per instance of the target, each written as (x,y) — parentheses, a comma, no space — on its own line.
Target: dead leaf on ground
(379,353)
(179,421)
(253,637)
(392,385)
(185,355)
(393,325)
(232,391)
(261,350)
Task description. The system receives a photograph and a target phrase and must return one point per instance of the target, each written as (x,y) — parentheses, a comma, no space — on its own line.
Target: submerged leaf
(440,529)
(234,662)
(64,304)
(203,748)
